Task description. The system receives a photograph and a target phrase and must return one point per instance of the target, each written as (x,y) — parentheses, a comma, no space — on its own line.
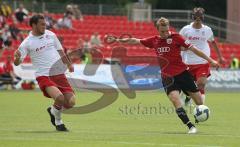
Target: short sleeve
(148,42)
(23,49)
(57,43)
(211,36)
(182,42)
(182,32)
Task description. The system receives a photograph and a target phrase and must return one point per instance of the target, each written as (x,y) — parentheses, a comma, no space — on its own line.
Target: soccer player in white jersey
(199,35)
(45,51)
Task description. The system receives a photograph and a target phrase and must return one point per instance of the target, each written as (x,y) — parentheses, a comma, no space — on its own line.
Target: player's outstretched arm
(132,41)
(66,60)
(17,58)
(220,56)
(202,55)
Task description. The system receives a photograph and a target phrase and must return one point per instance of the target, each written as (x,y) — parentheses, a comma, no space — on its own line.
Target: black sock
(189,124)
(183,116)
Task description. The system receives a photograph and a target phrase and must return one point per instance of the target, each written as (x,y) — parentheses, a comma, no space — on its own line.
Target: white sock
(57,115)
(203,98)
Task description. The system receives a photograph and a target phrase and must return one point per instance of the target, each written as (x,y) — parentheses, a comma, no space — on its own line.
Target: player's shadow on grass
(204,124)
(174,133)
(164,132)
(37,132)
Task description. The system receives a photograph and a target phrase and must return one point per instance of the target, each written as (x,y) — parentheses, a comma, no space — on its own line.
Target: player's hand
(17,57)
(17,54)
(222,60)
(215,64)
(70,68)
(110,39)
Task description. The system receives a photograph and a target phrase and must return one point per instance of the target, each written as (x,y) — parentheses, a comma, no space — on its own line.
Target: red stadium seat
(116,25)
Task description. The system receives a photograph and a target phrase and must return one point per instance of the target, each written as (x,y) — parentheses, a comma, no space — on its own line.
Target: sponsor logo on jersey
(169,40)
(161,50)
(193,38)
(40,48)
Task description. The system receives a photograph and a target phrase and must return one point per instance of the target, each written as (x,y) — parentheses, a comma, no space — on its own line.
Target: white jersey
(43,51)
(199,38)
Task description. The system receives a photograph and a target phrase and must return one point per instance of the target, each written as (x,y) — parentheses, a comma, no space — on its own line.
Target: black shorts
(181,82)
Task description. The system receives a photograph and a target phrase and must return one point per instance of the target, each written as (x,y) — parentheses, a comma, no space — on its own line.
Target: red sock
(202,91)
(67,106)
(57,106)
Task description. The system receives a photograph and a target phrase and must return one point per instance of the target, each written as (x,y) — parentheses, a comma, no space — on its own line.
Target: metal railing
(221,27)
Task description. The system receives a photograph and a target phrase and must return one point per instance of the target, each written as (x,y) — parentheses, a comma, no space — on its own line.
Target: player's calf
(56,120)
(55,113)
(183,116)
(196,96)
(175,99)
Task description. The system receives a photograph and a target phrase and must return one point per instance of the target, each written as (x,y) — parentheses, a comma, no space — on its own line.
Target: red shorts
(199,70)
(59,81)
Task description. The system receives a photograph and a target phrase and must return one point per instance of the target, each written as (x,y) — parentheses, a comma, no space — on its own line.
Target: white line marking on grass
(112,142)
(157,133)
(162,144)
(132,133)
(133,143)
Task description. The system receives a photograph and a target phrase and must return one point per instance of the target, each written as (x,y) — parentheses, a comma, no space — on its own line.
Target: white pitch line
(157,133)
(164,144)
(112,142)
(134,133)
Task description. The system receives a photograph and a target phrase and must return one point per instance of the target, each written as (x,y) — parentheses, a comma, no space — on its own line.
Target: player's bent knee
(71,102)
(60,99)
(172,95)
(196,96)
(201,85)
(200,102)
(173,99)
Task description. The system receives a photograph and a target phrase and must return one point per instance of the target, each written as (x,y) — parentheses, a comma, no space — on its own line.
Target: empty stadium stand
(116,25)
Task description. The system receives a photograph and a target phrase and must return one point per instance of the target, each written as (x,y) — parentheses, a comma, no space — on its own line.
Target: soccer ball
(201,113)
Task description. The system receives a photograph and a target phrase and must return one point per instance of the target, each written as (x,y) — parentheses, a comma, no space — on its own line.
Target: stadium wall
(134,77)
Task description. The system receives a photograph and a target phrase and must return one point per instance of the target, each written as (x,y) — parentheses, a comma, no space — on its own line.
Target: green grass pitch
(24,122)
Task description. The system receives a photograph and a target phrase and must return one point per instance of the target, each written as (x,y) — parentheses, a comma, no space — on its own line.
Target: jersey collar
(39,37)
(191,24)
